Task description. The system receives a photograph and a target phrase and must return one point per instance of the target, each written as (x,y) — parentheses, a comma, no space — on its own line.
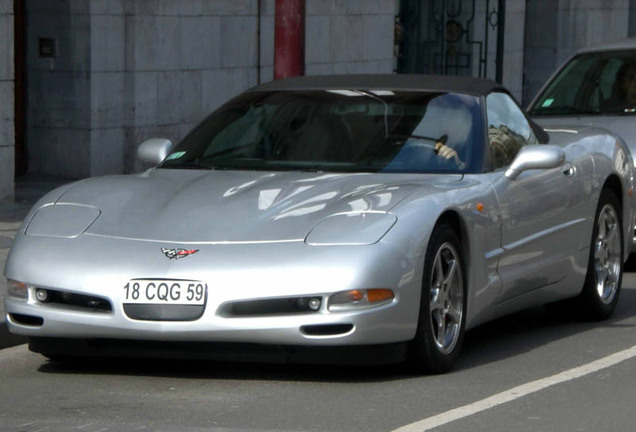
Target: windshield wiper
(186,165)
(441,139)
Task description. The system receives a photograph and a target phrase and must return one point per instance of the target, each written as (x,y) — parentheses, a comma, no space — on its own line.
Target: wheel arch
(455,220)
(613,183)
(423,354)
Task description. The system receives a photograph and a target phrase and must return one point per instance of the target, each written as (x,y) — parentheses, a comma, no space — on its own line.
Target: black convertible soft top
(446,83)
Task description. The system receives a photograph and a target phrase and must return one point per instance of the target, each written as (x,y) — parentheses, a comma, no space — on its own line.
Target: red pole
(289,38)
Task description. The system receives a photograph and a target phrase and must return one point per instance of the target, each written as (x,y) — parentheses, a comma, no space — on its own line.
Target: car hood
(234,206)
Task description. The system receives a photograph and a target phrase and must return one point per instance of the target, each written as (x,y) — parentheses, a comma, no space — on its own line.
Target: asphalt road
(526,372)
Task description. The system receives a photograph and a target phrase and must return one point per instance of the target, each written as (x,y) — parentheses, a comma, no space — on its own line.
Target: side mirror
(154,150)
(536,157)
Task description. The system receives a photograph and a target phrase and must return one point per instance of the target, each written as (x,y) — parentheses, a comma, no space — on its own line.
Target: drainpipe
(258,41)
(289,38)
(501,29)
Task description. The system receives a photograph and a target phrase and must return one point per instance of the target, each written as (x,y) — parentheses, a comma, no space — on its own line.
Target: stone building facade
(7,140)
(129,70)
(104,75)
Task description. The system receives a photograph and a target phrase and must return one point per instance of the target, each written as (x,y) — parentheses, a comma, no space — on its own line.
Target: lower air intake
(326,329)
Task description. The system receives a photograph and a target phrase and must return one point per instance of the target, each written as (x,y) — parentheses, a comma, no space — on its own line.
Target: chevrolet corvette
(311,218)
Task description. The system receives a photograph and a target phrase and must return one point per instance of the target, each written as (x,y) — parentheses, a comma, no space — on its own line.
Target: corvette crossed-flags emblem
(178,253)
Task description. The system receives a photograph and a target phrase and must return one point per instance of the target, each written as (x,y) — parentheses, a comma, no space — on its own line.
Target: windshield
(337,130)
(593,83)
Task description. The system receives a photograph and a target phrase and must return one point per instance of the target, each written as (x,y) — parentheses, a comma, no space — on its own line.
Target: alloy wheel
(447,298)
(607,254)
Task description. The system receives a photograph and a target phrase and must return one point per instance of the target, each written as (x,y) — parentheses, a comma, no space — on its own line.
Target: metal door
(451,37)
(543,220)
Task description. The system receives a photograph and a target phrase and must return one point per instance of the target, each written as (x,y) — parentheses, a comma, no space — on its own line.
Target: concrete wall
(58,89)
(540,45)
(183,59)
(589,22)
(7,138)
(513,47)
(556,29)
(6,143)
(128,71)
(344,37)
(341,36)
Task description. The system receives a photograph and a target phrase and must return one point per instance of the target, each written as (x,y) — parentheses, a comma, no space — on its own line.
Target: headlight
(17,289)
(359,299)
(62,220)
(361,228)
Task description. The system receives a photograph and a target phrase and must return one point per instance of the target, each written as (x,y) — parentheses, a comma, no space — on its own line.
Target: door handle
(569,170)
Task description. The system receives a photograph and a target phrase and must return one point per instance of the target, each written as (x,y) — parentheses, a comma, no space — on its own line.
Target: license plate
(161,291)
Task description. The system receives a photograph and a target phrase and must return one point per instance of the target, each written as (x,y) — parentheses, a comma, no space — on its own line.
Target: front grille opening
(326,329)
(92,303)
(27,320)
(267,307)
(154,312)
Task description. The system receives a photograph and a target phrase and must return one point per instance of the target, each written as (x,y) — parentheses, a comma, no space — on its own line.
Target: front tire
(603,280)
(442,318)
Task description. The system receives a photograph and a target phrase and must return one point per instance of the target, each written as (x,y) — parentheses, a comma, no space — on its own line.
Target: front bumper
(232,273)
(383,325)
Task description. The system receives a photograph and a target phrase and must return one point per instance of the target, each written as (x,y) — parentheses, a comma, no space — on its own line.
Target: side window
(607,80)
(508,129)
(568,87)
(619,77)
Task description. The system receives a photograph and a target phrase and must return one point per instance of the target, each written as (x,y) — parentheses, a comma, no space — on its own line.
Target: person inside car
(624,89)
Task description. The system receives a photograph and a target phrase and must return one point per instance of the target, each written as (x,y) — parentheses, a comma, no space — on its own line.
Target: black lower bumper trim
(234,352)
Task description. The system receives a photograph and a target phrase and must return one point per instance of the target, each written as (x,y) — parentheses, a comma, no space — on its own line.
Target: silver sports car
(315,218)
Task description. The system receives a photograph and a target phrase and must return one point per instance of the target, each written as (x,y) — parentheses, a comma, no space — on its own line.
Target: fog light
(360,299)
(42,295)
(314,303)
(17,289)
